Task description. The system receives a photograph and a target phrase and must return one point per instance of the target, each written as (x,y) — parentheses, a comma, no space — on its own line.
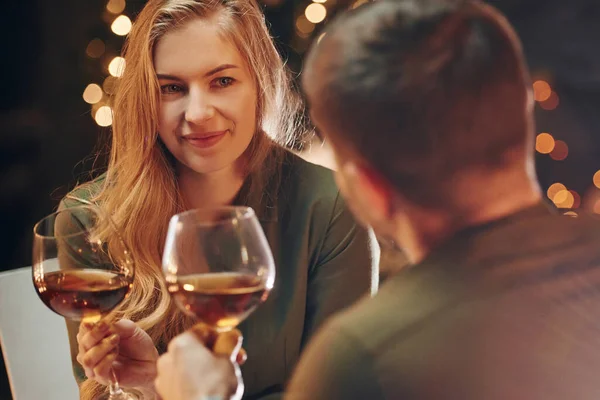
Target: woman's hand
(123,346)
(201,363)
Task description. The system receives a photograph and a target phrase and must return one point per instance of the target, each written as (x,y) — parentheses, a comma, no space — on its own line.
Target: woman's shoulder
(84,193)
(307,180)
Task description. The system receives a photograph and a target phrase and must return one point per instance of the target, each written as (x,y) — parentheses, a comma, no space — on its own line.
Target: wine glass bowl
(218,265)
(76,273)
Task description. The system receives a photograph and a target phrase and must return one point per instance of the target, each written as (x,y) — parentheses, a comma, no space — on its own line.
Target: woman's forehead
(197,46)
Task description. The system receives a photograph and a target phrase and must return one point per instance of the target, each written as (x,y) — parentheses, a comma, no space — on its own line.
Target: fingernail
(114,338)
(102,326)
(88,325)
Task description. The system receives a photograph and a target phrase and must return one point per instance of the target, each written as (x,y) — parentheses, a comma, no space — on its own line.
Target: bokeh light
(597,179)
(109,84)
(576,199)
(121,25)
(95,48)
(315,13)
(572,214)
(117,66)
(115,6)
(103,116)
(304,26)
(597,207)
(541,90)
(544,143)
(554,189)
(358,3)
(551,103)
(564,199)
(92,94)
(560,151)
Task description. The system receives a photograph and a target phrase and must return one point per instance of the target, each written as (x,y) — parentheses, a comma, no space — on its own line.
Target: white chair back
(34,342)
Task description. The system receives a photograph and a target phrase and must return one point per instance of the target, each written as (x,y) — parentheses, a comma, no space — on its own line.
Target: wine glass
(218,264)
(81,267)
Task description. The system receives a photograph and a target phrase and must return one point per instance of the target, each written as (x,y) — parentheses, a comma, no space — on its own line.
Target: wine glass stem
(114,387)
(115,391)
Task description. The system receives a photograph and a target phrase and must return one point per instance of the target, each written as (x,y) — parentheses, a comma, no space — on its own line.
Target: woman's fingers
(94,335)
(94,357)
(103,370)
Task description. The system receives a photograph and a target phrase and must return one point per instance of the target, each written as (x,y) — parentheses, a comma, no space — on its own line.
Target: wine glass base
(120,396)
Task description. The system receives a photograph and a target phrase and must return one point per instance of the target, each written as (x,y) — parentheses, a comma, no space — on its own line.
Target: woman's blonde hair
(140,189)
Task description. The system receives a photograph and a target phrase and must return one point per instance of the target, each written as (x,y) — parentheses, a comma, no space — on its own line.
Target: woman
(201,104)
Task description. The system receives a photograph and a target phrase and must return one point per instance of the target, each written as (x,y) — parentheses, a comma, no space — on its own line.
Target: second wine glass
(218,264)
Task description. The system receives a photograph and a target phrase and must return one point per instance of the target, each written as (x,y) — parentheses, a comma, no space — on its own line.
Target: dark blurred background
(52,121)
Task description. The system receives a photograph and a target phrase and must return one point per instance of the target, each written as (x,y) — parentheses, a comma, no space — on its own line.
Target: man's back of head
(422,91)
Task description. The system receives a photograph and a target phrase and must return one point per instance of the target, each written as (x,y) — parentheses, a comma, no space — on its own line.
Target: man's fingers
(242,356)
(205,334)
(228,344)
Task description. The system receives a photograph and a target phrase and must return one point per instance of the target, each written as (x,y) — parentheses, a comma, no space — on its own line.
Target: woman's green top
(324,262)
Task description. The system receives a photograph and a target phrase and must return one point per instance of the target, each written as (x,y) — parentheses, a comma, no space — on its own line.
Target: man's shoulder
(367,345)
(403,302)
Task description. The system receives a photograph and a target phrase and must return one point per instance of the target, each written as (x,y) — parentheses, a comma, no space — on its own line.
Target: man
(428,108)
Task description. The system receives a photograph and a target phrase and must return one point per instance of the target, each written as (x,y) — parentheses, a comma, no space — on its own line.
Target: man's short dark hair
(424,89)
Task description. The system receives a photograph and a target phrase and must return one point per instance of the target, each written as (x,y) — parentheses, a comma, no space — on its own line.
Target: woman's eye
(170,89)
(224,81)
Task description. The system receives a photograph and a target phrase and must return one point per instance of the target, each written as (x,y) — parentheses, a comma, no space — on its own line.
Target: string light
(576,199)
(115,6)
(596,179)
(554,189)
(544,143)
(564,199)
(95,48)
(315,13)
(109,84)
(560,151)
(117,66)
(92,94)
(121,25)
(596,208)
(541,90)
(103,116)
(551,103)
(358,3)
(304,26)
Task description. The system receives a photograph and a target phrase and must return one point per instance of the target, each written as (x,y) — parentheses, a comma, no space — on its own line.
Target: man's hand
(189,370)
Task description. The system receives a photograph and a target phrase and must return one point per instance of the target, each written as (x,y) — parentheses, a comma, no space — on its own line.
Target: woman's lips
(205,140)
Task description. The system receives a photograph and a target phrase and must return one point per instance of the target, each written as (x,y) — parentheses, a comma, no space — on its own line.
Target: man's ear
(371,192)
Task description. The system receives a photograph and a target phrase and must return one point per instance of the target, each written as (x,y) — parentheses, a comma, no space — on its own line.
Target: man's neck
(214,189)
(420,231)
